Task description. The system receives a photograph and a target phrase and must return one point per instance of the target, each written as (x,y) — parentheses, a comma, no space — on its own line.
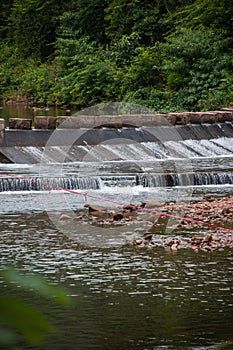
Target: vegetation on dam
(167,55)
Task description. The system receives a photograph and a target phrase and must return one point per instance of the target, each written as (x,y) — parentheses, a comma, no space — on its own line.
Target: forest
(169,55)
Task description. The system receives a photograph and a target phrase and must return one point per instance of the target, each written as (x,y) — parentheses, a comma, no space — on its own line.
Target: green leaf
(36,283)
(27,320)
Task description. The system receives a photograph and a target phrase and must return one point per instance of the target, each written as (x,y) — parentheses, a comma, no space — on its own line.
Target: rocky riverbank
(204,225)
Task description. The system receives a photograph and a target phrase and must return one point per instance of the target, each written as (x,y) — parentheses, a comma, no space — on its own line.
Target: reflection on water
(125,298)
(22,110)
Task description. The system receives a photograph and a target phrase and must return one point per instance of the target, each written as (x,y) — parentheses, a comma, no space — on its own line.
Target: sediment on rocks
(192,230)
(158,227)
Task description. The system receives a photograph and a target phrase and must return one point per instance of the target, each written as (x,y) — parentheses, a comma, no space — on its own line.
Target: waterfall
(124,180)
(190,155)
(158,142)
(41,184)
(187,179)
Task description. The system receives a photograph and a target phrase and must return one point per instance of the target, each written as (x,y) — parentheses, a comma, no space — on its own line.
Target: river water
(123,297)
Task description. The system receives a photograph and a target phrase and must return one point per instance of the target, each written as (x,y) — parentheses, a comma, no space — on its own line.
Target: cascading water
(192,179)
(142,143)
(45,184)
(132,163)
(99,182)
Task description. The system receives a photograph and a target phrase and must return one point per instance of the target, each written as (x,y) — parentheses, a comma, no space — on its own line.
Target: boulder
(97,210)
(130,207)
(203,117)
(182,118)
(20,123)
(44,122)
(117,216)
(224,116)
(94,207)
(151,204)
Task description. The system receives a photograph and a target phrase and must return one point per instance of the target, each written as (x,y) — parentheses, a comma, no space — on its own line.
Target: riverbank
(205,225)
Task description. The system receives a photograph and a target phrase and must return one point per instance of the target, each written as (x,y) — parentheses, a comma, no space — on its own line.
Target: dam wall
(119,121)
(93,130)
(37,132)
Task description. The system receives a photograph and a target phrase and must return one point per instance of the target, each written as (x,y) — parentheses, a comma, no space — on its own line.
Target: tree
(5,10)
(195,65)
(214,14)
(147,18)
(85,18)
(33,26)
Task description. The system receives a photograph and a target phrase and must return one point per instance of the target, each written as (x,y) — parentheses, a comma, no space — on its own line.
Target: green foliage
(144,70)
(152,98)
(125,49)
(147,18)
(27,320)
(9,77)
(5,10)
(86,74)
(94,83)
(35,283)
(33,25)
(37,81)
(26,77)
(214,14)
(195,65)
(85,18)
(169,54)
(19,319)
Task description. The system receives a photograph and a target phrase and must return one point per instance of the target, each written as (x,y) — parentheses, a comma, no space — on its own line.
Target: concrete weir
(92,130)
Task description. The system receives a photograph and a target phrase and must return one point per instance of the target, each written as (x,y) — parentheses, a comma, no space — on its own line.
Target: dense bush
(195,66)
(170,56)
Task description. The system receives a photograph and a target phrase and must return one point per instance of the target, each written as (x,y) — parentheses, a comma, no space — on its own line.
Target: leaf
(27,320)
(36,283)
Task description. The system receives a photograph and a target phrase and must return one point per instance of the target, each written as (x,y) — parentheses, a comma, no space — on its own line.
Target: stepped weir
(24,140)
(124,150)
(96,183)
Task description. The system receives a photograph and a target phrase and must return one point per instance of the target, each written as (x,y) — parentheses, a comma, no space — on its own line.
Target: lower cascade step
(187,179)
(98,182)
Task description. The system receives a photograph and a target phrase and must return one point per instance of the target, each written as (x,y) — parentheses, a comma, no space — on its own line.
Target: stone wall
(119,121)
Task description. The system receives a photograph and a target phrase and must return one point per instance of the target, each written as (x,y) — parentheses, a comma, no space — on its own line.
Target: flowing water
(123,297)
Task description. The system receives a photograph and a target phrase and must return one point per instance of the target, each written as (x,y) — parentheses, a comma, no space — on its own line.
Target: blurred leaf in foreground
(35,283)
(19,319)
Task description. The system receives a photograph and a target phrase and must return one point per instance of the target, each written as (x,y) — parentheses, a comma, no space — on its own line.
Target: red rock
(151,204)
(94,207)
(44,122)
(130,207)
(117,216)
(196,240)
(174,246)
(20,123)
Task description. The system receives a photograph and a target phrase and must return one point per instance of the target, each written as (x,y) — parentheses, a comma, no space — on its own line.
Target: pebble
(214,211)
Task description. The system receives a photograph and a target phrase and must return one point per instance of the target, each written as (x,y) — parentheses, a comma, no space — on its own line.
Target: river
(123,297)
